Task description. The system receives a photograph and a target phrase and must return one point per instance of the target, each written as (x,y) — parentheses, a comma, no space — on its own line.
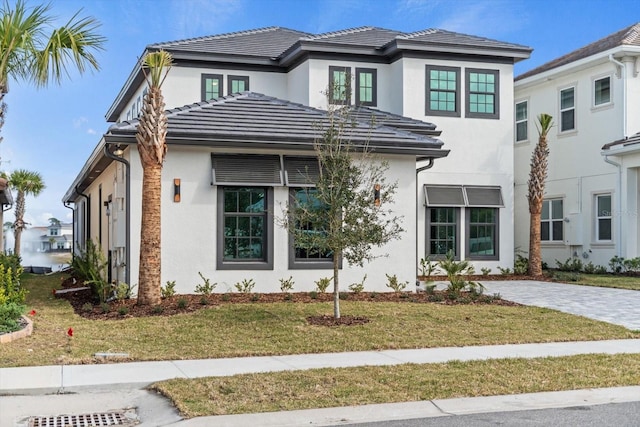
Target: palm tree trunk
(336,287)
(150,236)
(535,253)
(18,225)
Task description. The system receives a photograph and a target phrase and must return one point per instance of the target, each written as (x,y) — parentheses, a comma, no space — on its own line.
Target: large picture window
(443,91)
(482,93)
(552,221)
(211,86)
(340,85)
(567,109)
(603,217)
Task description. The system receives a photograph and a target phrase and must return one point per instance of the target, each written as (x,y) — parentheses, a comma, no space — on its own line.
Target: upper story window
(522,121)
(482,92)
(238,84)
(603,217)
(567,109)
(211,86)
(602,91)
(340,85)
(552,221)
(53,232)
(443,91)
(366,91)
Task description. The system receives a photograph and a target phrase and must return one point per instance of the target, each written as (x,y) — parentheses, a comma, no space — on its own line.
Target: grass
(323,388)
(609,281)
(233,330)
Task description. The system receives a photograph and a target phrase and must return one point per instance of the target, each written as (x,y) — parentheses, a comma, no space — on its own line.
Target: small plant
(205,288)
(158,309)
(505,271)
(120,291)
(485,271)
(226,297)
(456,272)
(123,310)
(571,264)
(343,296)
(323,283)
(246,286)
(204,300)
(105,307)
(169,289)
(436,297)
(394,284)
(287,296)
(373,295)
(427,267)
(356,288)
(87,307)
(9,315)
(286,285)
(631,264)
(313,294)
(430,288)
(182,303)
(254,297)
(600,269)
(521,265)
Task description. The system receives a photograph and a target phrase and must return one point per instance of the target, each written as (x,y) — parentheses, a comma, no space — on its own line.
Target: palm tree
(152,147)
(537,179)
(26,183)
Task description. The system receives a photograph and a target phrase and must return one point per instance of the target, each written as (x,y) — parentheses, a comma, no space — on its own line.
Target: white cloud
(91,131)
(202,17)
(79,122)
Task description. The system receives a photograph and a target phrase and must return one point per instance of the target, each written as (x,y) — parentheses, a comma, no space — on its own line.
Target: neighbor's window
(443,231)
(602,91)
(603,217)
(366,87)
(340,85)
(238,84)
(211,86)
(308,255)
(522,121)
(552,221)
(567,109)
(443,91)
(482,226)
(482,93)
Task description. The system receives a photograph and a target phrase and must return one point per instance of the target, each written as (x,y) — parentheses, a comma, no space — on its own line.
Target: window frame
(428,110)
(524,121)
(231,79)
(496,234)
(374,87)
(304,263)
(266,263)
(599,217)
(203,85)
(429,223)
(468,93)
(347,85)
(594,92)
(562,110)
(551,220)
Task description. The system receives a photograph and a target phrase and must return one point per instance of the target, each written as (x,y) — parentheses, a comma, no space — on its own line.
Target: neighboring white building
(224,134)
(591,195)
(56,237)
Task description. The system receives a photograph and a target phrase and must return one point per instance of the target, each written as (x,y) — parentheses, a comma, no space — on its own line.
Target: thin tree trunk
(336,287)
(535,253)
(18,225)
(150,236)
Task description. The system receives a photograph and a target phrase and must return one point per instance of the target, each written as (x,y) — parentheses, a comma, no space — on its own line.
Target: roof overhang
(6,198)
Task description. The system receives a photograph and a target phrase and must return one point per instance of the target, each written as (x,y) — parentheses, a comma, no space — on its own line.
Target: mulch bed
(84,304)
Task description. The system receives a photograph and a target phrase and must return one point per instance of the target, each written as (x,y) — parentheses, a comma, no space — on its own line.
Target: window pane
(567,120)
(546,205)
(521,131)
(557,230)
(604,206)
(482,231)
(604,229)
(544,231)
(556,209)
(566,99)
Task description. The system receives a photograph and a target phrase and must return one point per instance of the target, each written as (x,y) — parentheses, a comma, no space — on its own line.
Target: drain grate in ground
(84,420)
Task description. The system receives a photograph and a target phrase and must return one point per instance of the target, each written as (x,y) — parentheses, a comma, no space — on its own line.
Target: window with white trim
(602,91)
(604,217)
(552,221)
(522,121)
(567,109)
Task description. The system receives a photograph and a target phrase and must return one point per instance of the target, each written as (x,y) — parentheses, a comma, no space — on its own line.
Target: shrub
(287,297)
(456,270)
(255,297)
(90,267)
(323,283)
(571,264)
(436,297)
(313,295)
(121,291)
(87,307)
(430,288)
(600,269)
(521,265)
(485,271)
(631,264)
(169,289)
(182,303)
(105,307)
(343,295)
(9,315)
(286,285)
(204,300)
(226,297)
(356,288)
(427,267)
(246,286)
(616,264)
(505,271)
(123,310)
(205,288)
(158,309)
(10,289)
(394,284)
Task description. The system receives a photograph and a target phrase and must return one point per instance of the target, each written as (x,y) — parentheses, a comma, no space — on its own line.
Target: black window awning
(463,196)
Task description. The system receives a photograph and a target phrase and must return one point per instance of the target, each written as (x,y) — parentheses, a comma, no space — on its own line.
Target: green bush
(246,286)
(521,265)
(206,288)
(10,289)
(356,288)
(286,285)
(169,289)
(182,303)
(571,264)
(456,270)
(9,315)
(394,284)
(90,267)
(323,283)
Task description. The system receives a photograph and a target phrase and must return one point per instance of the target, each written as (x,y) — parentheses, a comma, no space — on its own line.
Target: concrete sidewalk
(98,388)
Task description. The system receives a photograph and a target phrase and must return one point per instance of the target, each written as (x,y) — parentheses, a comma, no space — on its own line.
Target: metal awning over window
(246,169)
(463,195)
(301,171)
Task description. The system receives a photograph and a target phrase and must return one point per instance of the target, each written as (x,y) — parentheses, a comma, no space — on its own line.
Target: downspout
(127,208)
(73,221)
(618,204)
(623,74)
(420,169)
(87,216)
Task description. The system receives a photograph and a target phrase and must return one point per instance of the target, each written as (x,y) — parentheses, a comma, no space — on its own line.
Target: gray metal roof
(361,36)
(629,36)
(624,142)
(259,121)
(437,36)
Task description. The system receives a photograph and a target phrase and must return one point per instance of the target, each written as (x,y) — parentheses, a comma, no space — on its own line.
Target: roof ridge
(632,35)
(340,32)
(424,32)
(228,35)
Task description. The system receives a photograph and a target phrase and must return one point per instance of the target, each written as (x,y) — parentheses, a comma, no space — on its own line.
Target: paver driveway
(618,306)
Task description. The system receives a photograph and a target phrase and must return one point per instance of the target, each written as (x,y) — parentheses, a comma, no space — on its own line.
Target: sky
(53,130)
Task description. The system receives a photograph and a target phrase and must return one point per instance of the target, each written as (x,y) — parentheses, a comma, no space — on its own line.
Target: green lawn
(232,330)
(607,281)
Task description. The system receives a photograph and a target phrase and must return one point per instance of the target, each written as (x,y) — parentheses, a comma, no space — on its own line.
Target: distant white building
(56,237)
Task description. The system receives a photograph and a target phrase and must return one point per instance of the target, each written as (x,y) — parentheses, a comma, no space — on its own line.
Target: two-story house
(591,201)
(244,109)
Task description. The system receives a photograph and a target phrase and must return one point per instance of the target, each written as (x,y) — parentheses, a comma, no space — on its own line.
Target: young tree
(346,213)
(150,137)
(26,183)
(537,179)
